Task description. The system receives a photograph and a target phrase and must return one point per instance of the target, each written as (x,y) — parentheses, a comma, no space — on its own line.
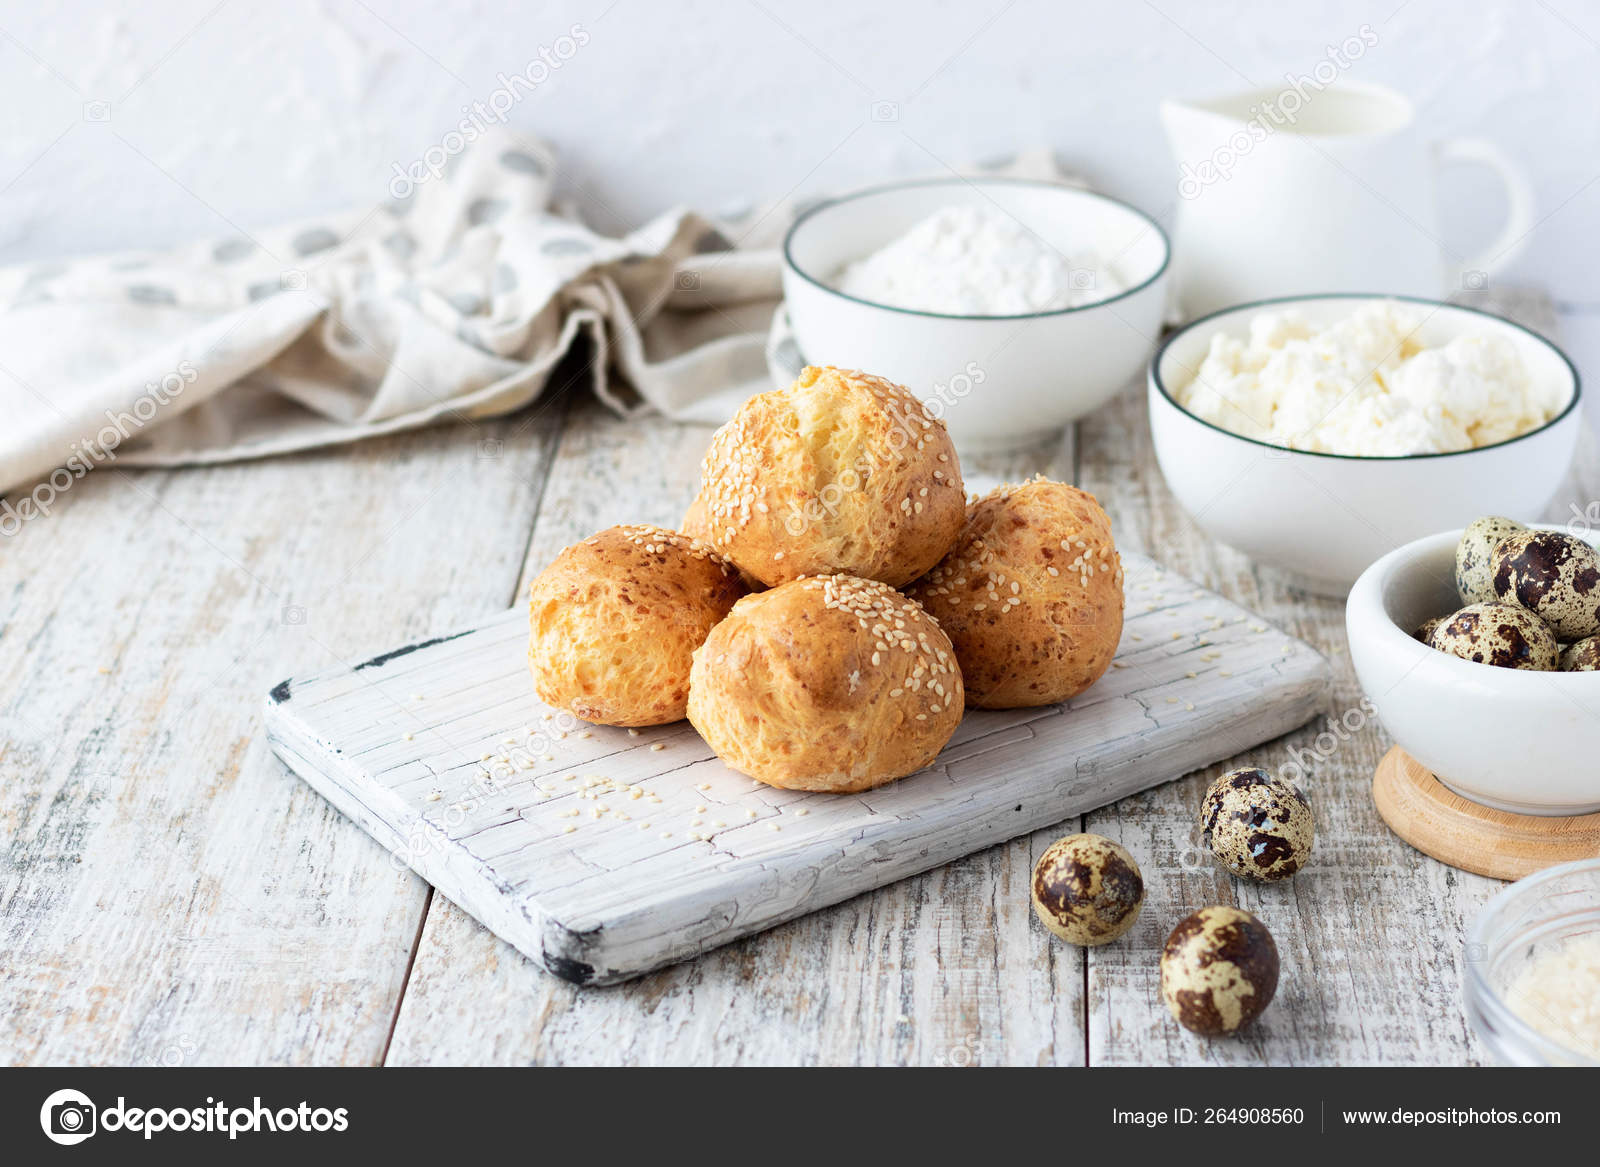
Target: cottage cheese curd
(967,261)
(1366,387)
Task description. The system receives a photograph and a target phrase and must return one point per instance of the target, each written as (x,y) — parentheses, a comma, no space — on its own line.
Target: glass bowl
(1520,924)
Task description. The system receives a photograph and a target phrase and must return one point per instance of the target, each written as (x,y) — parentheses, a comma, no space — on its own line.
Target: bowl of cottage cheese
(1318,433)
(1010,306)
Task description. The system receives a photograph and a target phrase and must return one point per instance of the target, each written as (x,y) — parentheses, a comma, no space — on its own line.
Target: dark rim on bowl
(1161,385)
(789,261)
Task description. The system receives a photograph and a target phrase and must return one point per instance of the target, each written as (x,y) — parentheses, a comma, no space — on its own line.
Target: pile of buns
(773,620)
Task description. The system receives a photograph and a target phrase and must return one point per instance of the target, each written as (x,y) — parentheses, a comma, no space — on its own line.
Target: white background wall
(248,113)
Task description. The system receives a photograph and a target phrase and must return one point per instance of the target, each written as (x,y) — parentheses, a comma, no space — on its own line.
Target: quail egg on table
(1582,657)
(1258,826)
(1087,889)
(1555,576)
(1474,579)
(1499,634)
(1219,970)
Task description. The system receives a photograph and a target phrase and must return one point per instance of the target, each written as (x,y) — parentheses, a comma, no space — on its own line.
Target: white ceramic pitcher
(1290,192)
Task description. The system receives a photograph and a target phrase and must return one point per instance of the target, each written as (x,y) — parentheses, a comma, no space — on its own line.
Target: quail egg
(1219,970)
(1582,657)
(1425,629)
(1473,577)
(1258,826)
(1087,889)
(1498,634)
(1555,576)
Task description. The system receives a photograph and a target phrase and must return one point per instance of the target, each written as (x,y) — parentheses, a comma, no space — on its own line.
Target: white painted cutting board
(603,853)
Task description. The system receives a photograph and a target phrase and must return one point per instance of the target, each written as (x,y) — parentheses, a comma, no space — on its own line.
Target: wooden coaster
(1465,834)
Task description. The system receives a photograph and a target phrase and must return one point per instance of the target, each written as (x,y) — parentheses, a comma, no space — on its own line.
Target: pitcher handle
(1520,215)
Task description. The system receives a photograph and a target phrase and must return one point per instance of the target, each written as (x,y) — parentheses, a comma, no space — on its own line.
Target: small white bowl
(1322,518)
(1512,739)
(1000,381)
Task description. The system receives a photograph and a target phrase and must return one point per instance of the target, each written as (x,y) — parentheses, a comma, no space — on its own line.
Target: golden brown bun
(697,526)
(840,472)
(1031,595)
(615,620)
(829,683)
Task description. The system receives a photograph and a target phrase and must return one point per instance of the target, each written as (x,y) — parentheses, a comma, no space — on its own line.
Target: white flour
(963,261)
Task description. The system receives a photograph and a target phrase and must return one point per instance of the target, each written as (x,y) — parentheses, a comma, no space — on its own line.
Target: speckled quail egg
(1087,889)
(1425,629)
(1498,634)
(1474,579)
(1555,576)
(1219,970)
(1258,826)
(1582,657)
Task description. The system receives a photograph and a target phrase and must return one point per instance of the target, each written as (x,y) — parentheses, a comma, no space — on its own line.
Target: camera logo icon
(885,111)
(293,614)
(1082,279)
(97,111)
(1475,281)
(68,1117)
(688,281)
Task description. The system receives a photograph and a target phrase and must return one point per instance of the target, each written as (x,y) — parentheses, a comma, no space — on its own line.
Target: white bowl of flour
(1012,307)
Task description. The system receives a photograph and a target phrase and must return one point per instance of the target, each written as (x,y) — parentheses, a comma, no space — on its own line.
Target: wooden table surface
(171,894)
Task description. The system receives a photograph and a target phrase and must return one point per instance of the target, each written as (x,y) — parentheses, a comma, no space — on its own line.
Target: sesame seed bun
(615,620)
(840,472)
(697,525)
(1030,595)
(830,683)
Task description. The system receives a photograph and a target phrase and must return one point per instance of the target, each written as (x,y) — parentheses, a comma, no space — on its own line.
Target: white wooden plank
(169,893)
(676,854)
